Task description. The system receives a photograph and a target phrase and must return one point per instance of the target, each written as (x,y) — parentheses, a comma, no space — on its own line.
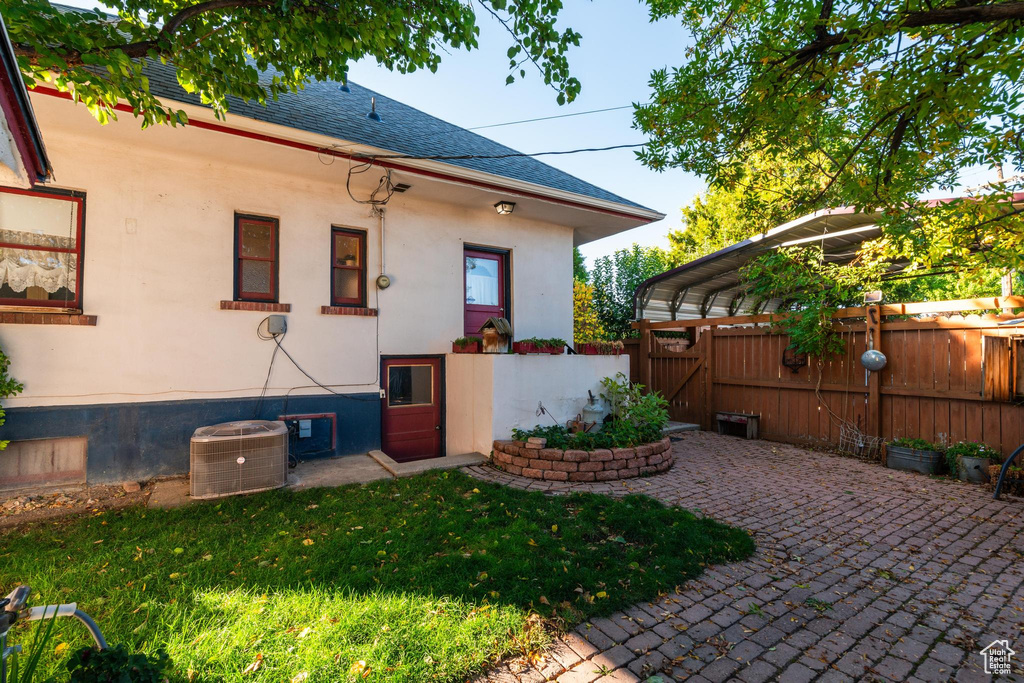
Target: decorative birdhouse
(496,333)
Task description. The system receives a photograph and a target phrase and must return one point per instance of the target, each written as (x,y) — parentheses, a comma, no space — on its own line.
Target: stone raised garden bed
(554,464)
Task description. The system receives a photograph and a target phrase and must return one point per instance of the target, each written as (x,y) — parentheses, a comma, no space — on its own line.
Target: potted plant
(466,345)
(970,461)
(915,455)
(600,348)
(554,346)
(1014,481)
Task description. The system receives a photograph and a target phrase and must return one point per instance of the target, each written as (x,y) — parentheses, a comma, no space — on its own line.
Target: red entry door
(484,289)
(411,408)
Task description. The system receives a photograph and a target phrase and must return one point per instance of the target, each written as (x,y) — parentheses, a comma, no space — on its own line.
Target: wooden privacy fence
(948,378)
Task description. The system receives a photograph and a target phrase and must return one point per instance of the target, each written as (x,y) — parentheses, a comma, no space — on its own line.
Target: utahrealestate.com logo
(997,657)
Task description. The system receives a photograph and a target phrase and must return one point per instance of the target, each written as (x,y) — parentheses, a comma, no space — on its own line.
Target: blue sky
(620,48)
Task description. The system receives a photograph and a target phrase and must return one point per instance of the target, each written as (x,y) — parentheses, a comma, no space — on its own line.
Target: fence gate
(679,376)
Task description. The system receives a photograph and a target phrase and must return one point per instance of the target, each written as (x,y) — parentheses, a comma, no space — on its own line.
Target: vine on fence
(812,289)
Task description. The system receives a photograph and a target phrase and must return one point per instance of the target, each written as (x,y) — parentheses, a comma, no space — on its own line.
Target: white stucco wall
(489,395)
(159,259)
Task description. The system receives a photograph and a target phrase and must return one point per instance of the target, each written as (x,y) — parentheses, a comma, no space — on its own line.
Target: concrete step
(676,427)
(408,469)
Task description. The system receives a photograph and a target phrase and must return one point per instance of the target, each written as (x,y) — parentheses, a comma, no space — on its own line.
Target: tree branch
(945,16)
(161,42)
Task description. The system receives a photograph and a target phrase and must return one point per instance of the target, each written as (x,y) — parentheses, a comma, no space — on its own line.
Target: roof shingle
(324,109)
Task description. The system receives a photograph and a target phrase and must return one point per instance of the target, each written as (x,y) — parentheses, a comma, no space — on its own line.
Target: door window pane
(482,281)
(257,240)
(410,385)
(346,249)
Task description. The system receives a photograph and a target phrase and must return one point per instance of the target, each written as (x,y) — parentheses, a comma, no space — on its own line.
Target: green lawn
(423,579)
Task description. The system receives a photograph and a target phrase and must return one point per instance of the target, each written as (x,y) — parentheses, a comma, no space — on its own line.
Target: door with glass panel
(485,288)
(411,426)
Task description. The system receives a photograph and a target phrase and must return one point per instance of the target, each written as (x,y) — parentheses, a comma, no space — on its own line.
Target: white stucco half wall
(490,394)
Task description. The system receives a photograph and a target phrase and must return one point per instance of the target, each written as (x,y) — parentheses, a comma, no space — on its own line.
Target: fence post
(873,340)
(709,378)
(645,354)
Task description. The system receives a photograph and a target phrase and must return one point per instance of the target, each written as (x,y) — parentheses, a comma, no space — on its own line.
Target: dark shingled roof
(324,109)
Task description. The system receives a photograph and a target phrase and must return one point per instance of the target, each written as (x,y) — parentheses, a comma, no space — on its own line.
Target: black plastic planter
(913,460)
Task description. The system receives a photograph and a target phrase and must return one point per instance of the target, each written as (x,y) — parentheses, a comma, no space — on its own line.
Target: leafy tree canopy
(885,100)
(579,265)
(757,197)
(615,278)
(586,326)
(259,49)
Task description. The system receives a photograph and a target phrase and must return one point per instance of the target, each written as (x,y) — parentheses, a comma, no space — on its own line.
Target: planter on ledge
(600,348)
(472,347)
(913,460)
(523,348)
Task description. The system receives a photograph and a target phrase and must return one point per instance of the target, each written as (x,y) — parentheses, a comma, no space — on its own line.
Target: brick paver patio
(861,573)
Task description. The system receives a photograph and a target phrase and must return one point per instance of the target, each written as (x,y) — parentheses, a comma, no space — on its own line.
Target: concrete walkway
(861,573)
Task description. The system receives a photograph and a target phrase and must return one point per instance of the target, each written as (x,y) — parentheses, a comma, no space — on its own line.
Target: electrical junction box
(305,429)
(276,325)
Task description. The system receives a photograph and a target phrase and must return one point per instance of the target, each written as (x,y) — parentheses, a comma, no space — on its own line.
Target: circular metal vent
(233,430)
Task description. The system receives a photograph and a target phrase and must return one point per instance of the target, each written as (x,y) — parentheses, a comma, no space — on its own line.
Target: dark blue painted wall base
(141,440)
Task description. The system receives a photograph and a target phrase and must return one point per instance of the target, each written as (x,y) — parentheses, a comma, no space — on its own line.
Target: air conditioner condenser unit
(238,457)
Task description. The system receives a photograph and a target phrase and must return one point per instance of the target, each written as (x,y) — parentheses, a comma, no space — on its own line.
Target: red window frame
(64,195)
(360,301)
(240,294)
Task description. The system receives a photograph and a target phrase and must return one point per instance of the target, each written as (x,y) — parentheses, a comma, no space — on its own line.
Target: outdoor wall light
(504,208)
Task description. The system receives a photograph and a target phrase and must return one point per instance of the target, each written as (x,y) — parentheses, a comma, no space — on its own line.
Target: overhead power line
(508,155)
(549,118)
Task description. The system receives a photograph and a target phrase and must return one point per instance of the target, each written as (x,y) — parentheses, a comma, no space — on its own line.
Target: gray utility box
(743,425)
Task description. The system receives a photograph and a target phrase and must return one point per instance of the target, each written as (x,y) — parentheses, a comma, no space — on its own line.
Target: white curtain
(24,268)
(482,290)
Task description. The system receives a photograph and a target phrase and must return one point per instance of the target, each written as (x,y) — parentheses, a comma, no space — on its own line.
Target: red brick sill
(347,310)
(264,306)
(44,318)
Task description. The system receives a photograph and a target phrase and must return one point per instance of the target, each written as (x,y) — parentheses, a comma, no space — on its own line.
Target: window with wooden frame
(256,258)
(41,241)
(348,267)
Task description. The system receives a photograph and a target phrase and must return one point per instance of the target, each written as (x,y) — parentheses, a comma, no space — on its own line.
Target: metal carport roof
(710,286)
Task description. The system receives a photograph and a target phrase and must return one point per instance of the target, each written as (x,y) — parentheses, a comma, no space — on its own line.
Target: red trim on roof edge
(20,124)
(220,128)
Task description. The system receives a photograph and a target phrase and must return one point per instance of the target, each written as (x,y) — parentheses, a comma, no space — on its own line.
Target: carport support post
(645,353)
(873,329)
(709,378)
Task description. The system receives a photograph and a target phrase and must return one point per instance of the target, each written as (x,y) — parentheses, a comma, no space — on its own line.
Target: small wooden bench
(745,425)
